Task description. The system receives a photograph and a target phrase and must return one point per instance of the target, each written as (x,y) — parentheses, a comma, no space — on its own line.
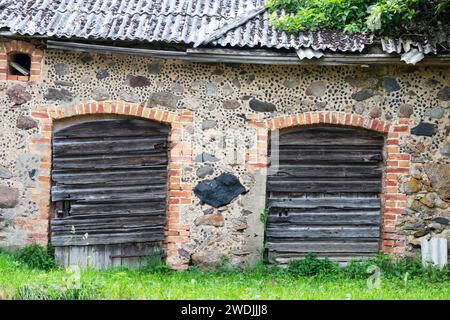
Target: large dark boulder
(363,95)
(62,69)
(18,94)
(204,171)
(231,104)
(220,191)
(424,129)
(26,123)
(391,84)
(164,99)
(58,95)
(138,81)
(205,157)
(261,106)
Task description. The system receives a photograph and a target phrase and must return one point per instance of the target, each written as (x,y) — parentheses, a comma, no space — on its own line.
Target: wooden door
(325,196)
(109,191)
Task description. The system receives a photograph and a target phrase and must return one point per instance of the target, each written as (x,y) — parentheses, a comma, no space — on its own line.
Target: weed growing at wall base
(308,278)
(36,256)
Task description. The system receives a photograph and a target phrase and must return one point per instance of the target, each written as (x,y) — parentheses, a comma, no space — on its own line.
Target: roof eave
(253,56)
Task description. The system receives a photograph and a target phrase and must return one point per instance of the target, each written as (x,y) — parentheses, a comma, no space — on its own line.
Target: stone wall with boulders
(221,97)
(428,213)
(18,167)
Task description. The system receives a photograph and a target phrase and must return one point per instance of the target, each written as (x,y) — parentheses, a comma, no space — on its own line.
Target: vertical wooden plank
(106,259)
(130,250)
(83,256)
(67,256)
(73,255)
(114,251)
(100,256)
(143,249)
(90,256)
(60,256)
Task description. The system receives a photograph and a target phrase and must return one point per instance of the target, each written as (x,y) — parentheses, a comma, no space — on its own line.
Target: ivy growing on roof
(382,17)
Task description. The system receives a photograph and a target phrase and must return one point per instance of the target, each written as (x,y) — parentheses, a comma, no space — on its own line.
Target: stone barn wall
(221,116)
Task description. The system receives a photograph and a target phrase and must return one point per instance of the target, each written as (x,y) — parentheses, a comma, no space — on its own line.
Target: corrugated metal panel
(181,21)
(259,32)
(401,46)
(178,21)
(413,56)
(309,54)
(434,251)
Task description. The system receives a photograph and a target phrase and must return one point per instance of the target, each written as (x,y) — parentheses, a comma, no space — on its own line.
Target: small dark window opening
(19,64)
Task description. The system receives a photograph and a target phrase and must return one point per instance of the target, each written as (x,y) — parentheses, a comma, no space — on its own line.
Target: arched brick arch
(396,163)
(180,153)
(16,46)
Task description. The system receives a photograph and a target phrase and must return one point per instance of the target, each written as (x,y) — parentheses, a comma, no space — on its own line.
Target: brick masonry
(14,46)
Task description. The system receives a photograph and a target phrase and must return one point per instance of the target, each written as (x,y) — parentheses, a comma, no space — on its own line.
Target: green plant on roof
(383,17)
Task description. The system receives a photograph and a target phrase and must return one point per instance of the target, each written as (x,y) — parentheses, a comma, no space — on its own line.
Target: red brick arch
(180,153)
(16,46)
(396,163)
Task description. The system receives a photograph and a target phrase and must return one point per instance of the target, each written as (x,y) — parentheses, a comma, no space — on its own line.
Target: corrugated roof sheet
(175,21)
(179,21)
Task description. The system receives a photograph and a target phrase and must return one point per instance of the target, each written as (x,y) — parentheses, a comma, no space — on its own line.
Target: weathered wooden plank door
(325,196)
(109,191)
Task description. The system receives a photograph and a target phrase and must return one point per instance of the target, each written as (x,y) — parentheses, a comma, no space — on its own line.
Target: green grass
(20,281)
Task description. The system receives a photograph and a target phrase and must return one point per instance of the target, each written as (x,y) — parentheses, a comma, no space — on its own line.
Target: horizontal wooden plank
(102,194)
(311,246)
(369,186)
(339,258)
(314,141)
(280,232)
(105,230)
(119,127)
(128,160)
(339,203)
(101,145)
(67,185)
(332,218)
(341,156)
(128,237)
(327,171)
(329,136)
(109,220)
(118,209)
(131,198)
(339,146)
(344,255)
(110,228)
(105,176)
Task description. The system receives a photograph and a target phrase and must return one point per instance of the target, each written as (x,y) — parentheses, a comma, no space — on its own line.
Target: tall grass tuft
(37,257)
